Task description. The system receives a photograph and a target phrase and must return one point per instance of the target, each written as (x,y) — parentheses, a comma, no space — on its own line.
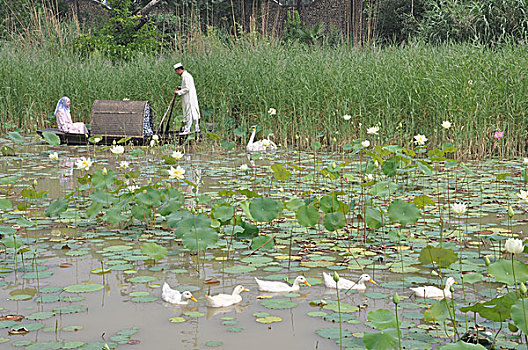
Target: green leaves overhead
(403,212)
(264,209)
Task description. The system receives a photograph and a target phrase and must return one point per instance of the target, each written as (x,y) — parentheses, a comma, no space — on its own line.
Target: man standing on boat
(187,90)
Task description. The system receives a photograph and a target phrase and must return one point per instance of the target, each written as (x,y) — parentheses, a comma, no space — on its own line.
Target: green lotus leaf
(382,319)
(403,212)
(334,221)
(278,303)
(51,138)
(384,340)
(264,209)
(442,257)
(307,215)
(460,345)
(83,288)
(154,251)
(333,333)
(502,270)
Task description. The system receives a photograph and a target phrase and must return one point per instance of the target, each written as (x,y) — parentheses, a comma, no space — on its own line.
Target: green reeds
(407,90)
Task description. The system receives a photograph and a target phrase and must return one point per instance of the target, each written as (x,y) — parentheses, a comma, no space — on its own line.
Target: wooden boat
(117,120)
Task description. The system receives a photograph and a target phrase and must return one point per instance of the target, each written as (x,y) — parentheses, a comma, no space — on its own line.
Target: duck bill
(372,281)
(194,299)
(245,290)
(308,284)
(455,282)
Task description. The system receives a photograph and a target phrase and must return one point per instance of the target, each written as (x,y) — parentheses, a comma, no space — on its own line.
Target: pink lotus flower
(498,135)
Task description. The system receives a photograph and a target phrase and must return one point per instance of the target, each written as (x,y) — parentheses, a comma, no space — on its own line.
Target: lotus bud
(35,183)
(396,298)
(105,171)
(511,213)
(334,140)
(452,289)
(334,165)
(487,261)
(336,277)
(523,289)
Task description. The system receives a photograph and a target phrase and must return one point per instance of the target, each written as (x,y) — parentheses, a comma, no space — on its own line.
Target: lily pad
(83,288)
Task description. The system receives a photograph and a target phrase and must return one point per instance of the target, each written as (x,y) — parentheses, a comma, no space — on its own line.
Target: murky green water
(128,311)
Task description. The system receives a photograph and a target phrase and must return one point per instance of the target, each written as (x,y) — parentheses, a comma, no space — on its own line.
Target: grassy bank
(406,90)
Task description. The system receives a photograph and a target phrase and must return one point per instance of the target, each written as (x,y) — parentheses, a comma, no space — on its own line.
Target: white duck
(279,287)
(224,300)
(264,145)
(347,284)
(174,296)
(434,292)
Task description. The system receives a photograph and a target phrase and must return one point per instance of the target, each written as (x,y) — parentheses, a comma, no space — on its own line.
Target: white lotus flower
(117,149)
(373,130)
(525,161)
(124,164)
(177,155)
(244,167)
(420,140)
(54,156)
(272,111)
(446,124)
(514,245)
(369,177)
(523,195)
(155,137)
(365,143)
(176,173)
(459,208)
(132,188)
(83,163)
(347,117)
(97,139)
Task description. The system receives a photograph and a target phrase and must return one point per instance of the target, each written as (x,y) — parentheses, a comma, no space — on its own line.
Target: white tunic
(191,111)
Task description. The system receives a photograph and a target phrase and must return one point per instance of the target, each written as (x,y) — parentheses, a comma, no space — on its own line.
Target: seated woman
(64,120)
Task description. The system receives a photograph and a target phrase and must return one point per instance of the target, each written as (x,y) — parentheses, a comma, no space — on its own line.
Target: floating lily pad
(278,303)
(213,344)
(142,279)
(144,299)
(332,333)
(177,319)
(83,288)
(269,319)
(239,269)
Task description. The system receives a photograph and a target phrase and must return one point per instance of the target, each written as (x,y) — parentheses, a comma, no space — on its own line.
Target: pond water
(64,242)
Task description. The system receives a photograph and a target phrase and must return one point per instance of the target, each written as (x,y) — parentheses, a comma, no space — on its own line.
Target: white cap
(178,65)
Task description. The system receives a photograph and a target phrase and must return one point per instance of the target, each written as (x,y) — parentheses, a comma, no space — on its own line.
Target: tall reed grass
(406,90)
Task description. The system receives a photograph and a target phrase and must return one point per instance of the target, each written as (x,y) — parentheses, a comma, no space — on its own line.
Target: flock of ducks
(224,300)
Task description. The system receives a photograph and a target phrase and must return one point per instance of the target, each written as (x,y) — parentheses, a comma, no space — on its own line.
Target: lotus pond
(91,233)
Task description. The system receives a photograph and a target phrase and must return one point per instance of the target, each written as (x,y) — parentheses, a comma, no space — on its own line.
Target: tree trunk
(144,12)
